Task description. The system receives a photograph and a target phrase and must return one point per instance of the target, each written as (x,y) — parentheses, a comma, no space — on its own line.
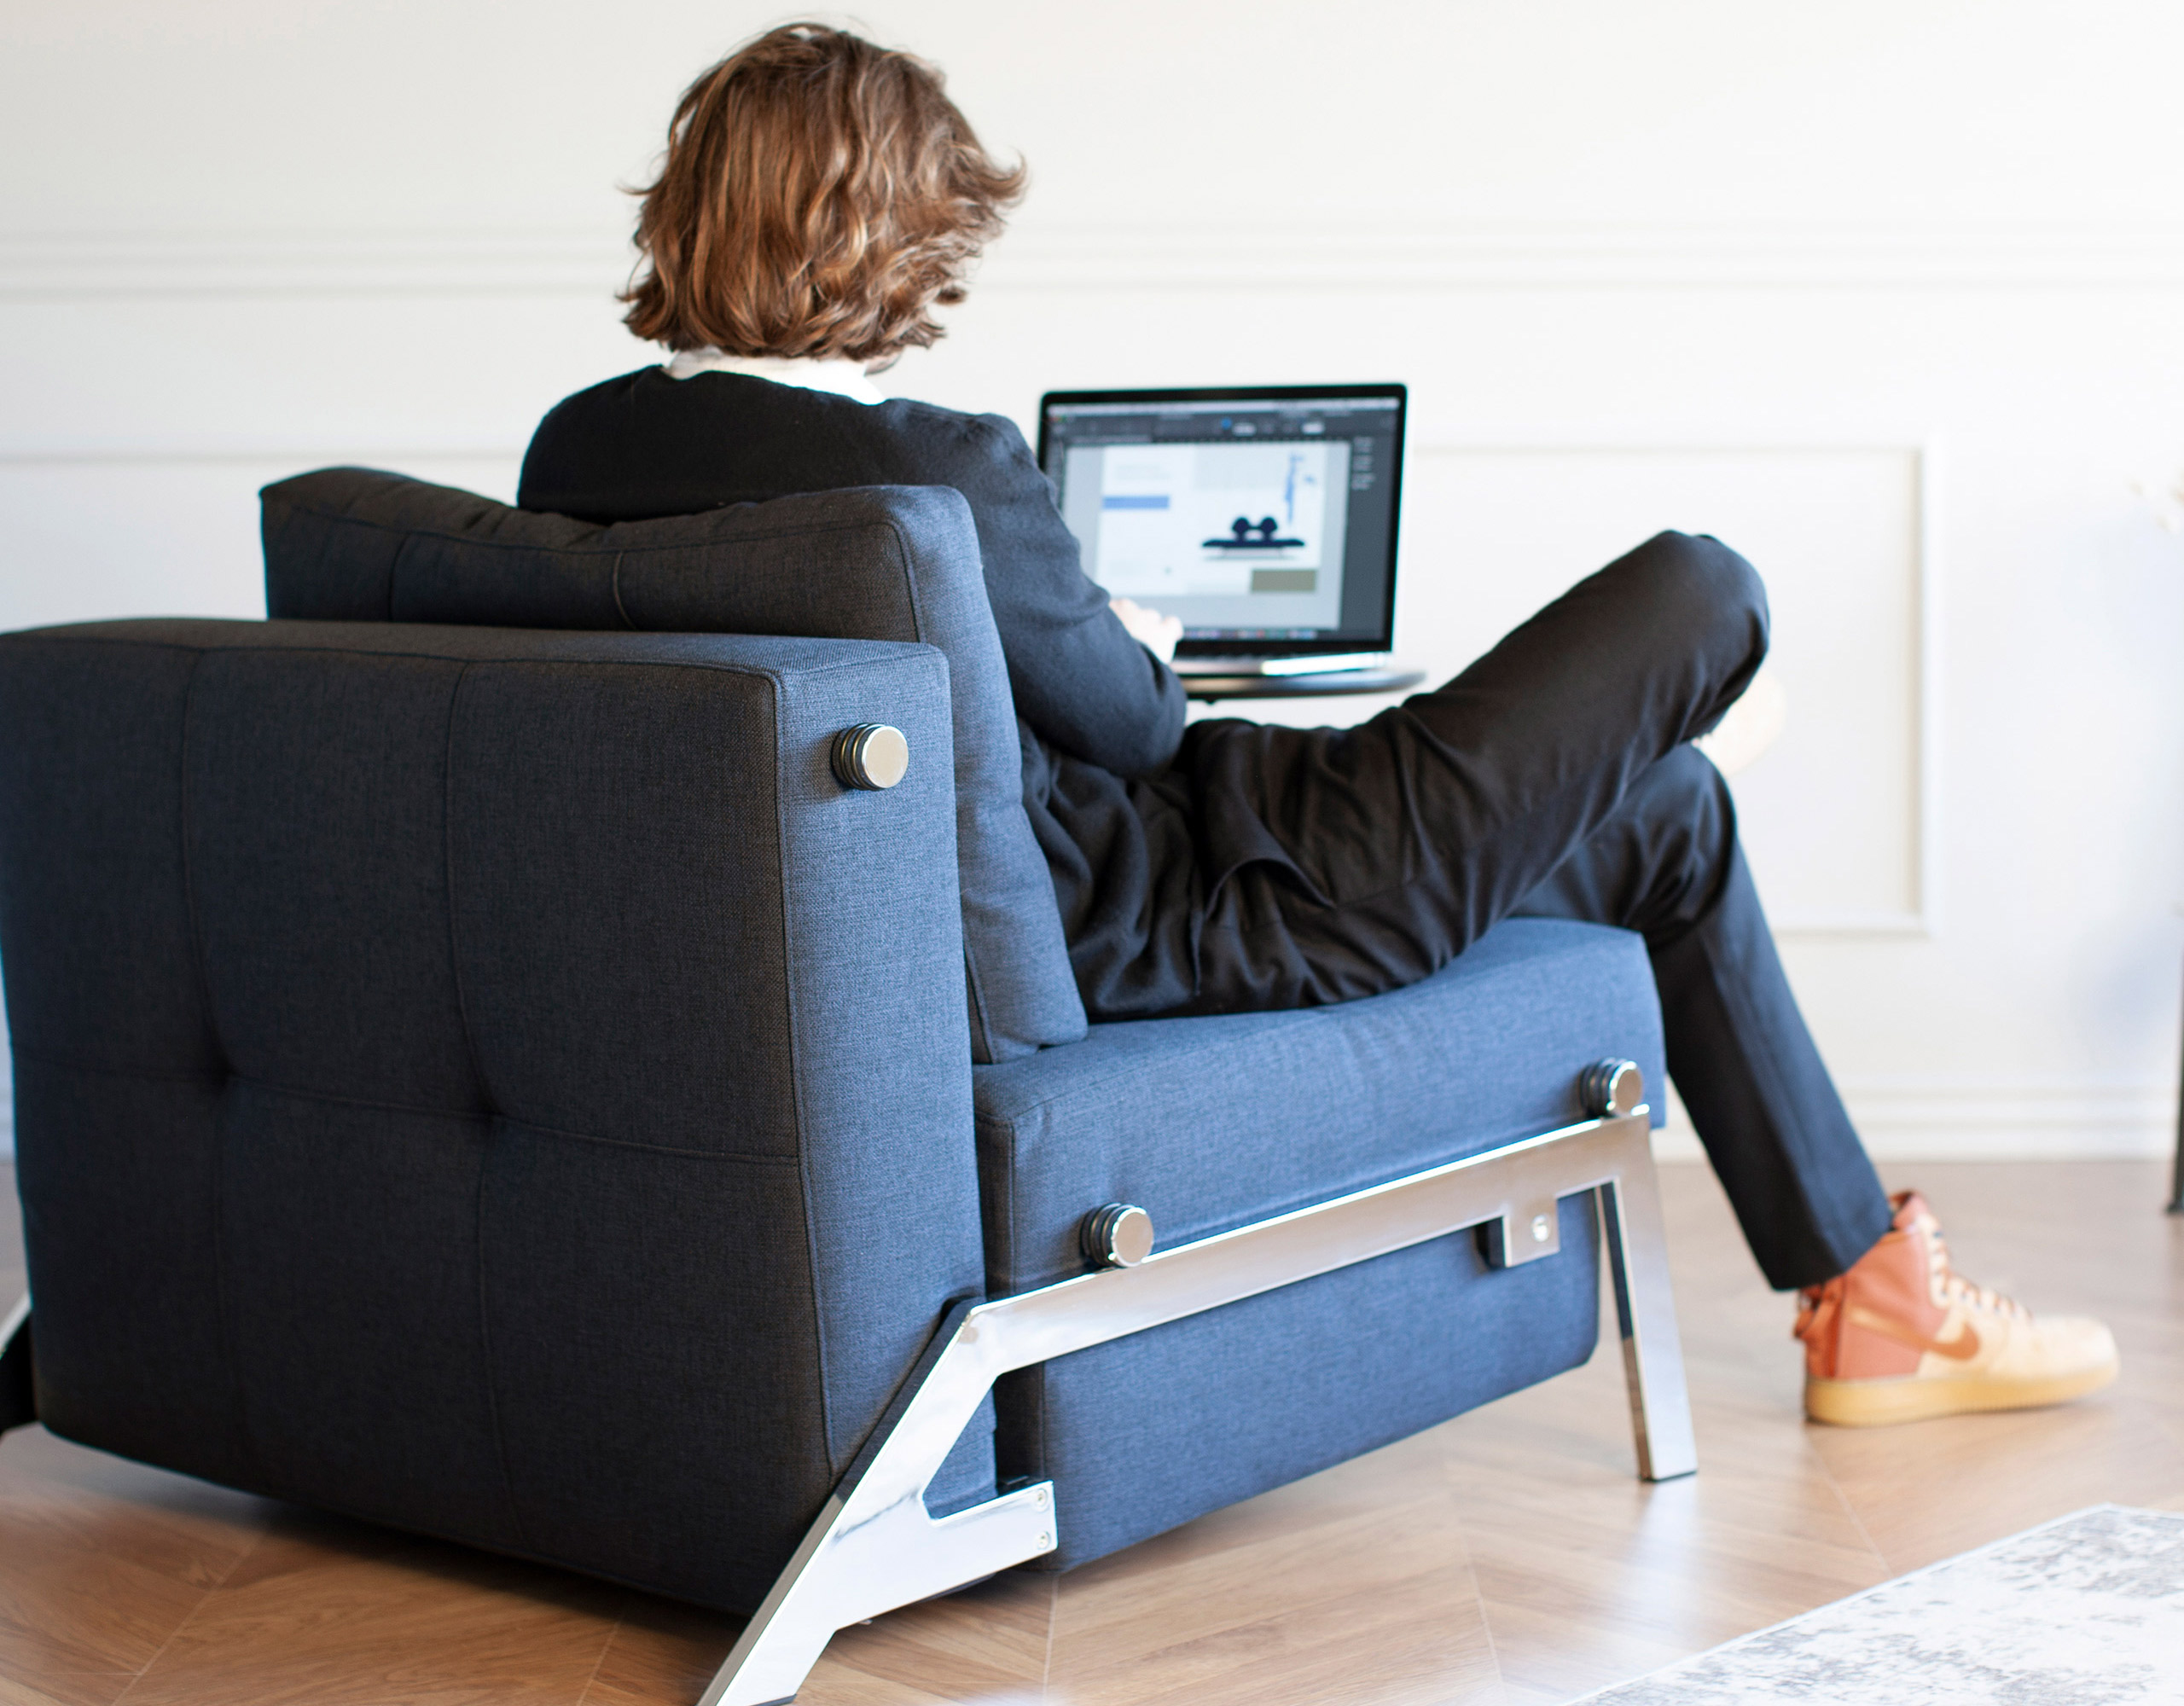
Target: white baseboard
(1974,1118)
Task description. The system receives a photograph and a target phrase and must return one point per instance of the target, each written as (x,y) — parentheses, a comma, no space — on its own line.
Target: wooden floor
(1508,1557)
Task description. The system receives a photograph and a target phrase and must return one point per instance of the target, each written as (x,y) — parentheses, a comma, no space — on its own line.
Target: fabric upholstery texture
(497,1083)
(881,563)
(1210,1123)
(443,1073)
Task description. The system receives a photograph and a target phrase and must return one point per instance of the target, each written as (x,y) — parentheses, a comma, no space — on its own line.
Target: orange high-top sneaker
(1900,1337)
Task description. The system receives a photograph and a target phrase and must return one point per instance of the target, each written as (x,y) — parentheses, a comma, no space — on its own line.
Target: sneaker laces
(1819,1305)
(1947,1286)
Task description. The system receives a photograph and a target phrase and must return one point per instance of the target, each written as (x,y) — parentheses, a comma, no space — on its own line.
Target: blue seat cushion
(1211,1123)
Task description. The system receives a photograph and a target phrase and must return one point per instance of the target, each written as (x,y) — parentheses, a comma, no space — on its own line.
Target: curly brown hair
(819,196)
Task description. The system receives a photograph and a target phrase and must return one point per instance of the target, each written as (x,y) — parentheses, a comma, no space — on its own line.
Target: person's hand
(1157,633)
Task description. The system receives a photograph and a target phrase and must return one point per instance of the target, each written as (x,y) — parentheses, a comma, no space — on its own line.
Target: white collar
(842,378)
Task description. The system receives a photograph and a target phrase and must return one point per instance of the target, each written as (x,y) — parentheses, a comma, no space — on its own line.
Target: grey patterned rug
(2086,1610)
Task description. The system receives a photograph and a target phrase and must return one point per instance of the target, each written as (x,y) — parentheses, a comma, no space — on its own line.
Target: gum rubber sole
(1879,1403)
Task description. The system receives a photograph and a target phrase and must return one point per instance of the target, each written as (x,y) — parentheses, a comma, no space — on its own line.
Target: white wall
(1891,295)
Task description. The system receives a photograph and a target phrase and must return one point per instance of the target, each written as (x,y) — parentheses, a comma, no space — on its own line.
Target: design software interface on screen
(1264,521)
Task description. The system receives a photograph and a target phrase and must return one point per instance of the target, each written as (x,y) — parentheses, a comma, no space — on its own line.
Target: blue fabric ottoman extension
(486,1063)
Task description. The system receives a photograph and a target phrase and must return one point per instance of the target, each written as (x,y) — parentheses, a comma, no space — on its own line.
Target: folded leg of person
(1891,1333)
(1667,865)
(1553,777)
(1339,863)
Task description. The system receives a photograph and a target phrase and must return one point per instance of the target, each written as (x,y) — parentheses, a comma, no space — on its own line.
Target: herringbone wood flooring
(1508,1557)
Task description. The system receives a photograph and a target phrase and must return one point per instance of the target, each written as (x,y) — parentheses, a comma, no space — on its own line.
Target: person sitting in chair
(819,196)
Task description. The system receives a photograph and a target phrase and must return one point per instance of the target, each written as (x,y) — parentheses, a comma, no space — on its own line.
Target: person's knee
(1683,784)
(1684,805)
(1706,591)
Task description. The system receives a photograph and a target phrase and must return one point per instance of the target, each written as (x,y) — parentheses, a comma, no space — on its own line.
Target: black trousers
(1553,778)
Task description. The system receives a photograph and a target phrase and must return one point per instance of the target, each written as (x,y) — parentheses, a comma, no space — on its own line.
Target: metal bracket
(873,1547)
(18,1395)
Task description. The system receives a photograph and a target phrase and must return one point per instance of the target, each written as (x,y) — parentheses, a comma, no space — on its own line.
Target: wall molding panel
(181,455)
(1810,904)
(1924,916)
(1403,255)
(354,263)
(1383,254)
(1877,415)
(1860,563)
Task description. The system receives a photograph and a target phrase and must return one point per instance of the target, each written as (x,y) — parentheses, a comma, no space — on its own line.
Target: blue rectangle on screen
(1153,500)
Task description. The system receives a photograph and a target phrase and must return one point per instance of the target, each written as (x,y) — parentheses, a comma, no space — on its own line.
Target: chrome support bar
(874,1546)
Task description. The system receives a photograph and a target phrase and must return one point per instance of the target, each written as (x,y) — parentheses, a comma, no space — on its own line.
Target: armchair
(489,1061)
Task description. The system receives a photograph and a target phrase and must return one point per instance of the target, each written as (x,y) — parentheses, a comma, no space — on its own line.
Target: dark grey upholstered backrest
(452,1085)
(880,563)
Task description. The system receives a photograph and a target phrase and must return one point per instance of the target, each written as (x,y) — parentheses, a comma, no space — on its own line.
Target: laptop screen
(1264,519)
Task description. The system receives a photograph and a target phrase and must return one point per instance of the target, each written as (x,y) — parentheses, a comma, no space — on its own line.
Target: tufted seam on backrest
(223,1289)
(490,1104)
(491,1116)
(185,820)
(303,1093)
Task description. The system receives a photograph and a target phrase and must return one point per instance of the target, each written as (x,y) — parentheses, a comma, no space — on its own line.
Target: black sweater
(1102,718)
(647,446)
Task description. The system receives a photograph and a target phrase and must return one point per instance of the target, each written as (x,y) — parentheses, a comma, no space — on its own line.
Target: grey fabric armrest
(455,1082)
(879,563)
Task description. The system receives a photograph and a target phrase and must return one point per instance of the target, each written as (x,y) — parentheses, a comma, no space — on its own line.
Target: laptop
(1263,517)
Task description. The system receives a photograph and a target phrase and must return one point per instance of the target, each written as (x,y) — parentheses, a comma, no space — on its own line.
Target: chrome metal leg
(1645,1316)
(873,1547)
(18,1404)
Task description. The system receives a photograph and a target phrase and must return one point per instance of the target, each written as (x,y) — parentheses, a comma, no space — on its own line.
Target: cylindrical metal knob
(870,755)
(1611,1087)
(1120,1235)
